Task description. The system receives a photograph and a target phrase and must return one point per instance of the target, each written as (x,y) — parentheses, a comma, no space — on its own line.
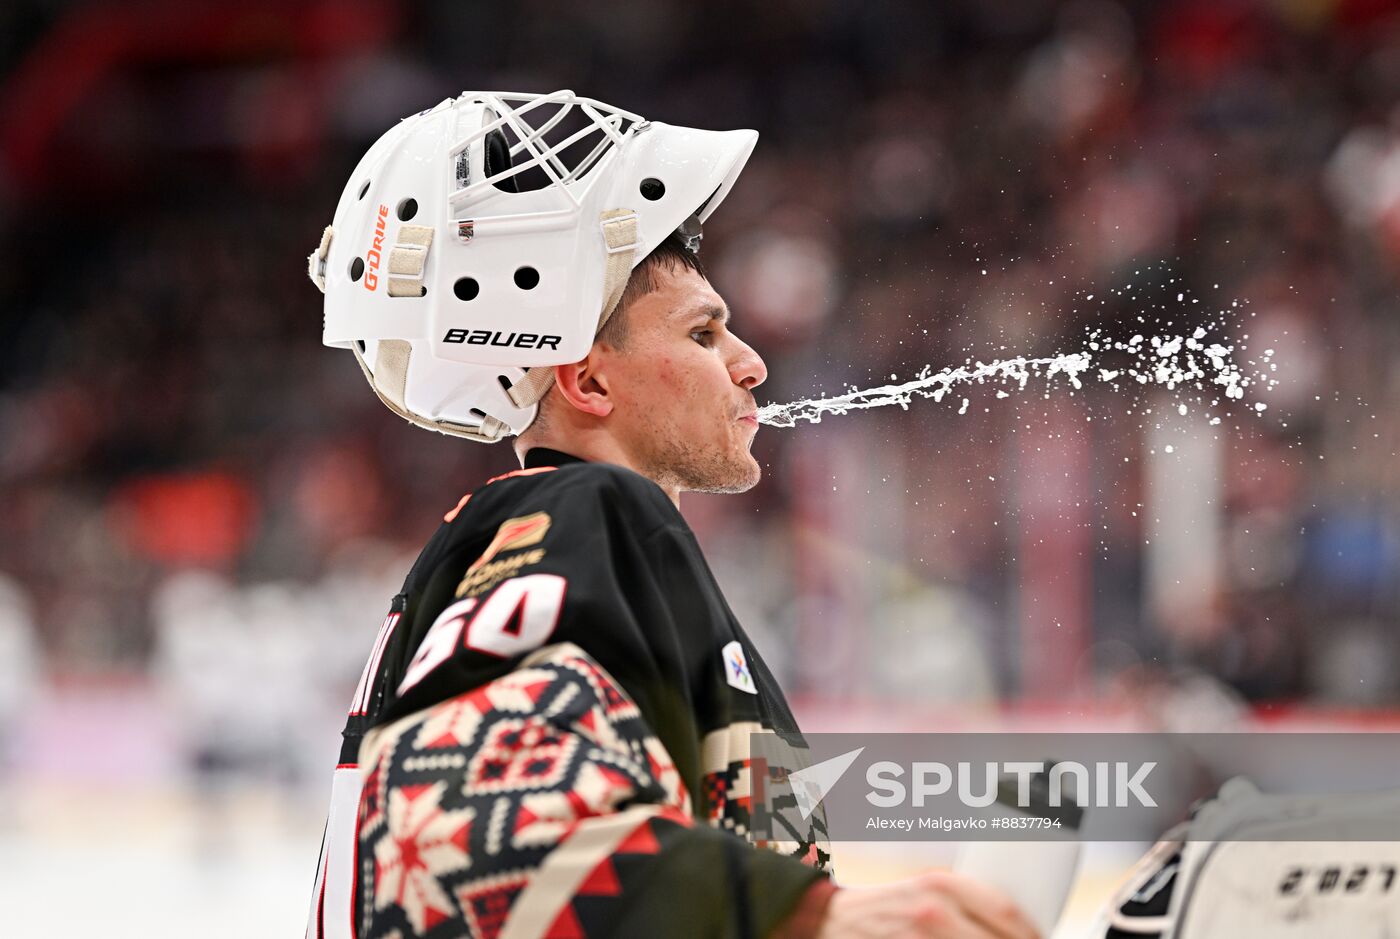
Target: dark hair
(671,254)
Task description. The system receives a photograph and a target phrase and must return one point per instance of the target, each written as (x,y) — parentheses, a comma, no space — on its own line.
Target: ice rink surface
(125,862)
(105,830)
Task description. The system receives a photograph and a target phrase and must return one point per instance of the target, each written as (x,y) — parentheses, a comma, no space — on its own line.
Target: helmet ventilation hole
(364,188)
(652,189)
(505,381)
(407,209)
(527,278)
(357,267)
(466,288)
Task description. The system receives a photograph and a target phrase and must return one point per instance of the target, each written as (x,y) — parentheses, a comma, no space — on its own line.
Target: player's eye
(703,336)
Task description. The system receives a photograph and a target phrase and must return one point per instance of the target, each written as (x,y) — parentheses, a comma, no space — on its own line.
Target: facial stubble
(690,466)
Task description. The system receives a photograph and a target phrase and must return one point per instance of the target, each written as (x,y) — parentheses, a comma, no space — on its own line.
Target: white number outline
(534,602)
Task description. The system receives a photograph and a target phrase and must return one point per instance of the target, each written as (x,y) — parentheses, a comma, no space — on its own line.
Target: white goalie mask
(483,241)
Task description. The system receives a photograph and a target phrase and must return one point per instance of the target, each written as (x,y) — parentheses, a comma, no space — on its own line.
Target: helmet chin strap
(389,379)
(620,234)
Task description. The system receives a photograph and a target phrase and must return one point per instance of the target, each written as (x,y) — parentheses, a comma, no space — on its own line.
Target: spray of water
(1172,362)
(1019,370)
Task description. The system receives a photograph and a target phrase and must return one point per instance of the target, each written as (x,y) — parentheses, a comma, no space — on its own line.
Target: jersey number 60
(519,616)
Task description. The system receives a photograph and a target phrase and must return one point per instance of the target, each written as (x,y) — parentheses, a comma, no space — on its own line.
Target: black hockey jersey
(556,720)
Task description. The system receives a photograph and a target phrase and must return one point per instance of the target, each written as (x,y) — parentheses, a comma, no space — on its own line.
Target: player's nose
(746,367)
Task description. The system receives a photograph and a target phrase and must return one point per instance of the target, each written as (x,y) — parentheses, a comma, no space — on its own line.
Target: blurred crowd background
(205,512)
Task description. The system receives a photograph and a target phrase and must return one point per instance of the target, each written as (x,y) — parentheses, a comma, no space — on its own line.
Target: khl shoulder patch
(736,668)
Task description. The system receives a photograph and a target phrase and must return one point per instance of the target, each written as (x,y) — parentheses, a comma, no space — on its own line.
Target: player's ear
(584,386)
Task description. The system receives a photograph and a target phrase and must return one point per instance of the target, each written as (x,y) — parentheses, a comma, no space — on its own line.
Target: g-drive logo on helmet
(506,226)
(374,254)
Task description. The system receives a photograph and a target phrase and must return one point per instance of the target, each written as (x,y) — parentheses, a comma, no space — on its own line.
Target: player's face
(682,388)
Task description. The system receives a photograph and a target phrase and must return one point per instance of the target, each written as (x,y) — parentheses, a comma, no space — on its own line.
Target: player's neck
(598,448)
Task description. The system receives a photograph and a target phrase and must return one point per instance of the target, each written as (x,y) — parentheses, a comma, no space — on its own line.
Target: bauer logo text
(485,337)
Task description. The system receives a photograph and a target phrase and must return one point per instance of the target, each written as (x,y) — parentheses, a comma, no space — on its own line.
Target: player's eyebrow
(715,312)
